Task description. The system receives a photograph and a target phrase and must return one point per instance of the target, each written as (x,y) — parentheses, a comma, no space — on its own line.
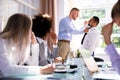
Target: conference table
(79,73)
(55,76)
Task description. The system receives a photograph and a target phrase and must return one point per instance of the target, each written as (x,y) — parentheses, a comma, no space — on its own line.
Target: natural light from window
(89,8)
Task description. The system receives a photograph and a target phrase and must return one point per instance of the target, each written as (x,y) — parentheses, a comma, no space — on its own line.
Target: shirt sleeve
(71,28)
(35,52)
(7,68)
(114,56)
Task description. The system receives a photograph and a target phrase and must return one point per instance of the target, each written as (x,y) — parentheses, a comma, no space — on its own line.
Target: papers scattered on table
(107,73)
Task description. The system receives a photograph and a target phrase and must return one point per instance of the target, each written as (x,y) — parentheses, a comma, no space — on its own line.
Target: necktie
(89,26)
(83,38)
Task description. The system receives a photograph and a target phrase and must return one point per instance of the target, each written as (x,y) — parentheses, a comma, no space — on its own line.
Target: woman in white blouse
(15,42)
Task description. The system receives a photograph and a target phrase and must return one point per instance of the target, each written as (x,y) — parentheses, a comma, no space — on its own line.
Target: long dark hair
(116,10)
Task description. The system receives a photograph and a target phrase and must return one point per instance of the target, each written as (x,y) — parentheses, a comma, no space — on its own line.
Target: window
(9,7)
(87,13)
(89,8)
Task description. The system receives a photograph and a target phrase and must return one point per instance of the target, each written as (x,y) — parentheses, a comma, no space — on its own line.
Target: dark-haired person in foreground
(107,32)
(43,38)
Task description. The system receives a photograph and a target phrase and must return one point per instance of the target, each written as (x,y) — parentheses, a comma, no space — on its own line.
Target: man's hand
(86,30)
(85,23)
(48,69)
(58,59)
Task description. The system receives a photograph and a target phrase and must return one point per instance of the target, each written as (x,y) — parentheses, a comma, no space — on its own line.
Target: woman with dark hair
(107,31)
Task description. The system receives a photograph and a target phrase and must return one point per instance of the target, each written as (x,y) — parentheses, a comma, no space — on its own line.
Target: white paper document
(107,74)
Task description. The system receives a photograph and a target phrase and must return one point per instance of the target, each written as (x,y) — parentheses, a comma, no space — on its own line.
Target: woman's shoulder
(2,40)
(2,44)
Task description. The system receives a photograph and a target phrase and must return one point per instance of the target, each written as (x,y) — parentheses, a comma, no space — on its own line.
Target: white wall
(9,7)
(63,7)
(59,13)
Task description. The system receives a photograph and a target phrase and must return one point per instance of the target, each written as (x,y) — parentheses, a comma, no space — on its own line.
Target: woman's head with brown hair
(115,13)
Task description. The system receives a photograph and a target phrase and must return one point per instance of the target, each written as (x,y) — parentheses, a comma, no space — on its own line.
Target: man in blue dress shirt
(66,29)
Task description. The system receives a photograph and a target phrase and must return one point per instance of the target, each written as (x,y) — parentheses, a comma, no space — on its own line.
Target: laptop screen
(106,73)
(89,60)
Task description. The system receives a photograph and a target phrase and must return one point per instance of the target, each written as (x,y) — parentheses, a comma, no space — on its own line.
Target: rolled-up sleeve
(114,56)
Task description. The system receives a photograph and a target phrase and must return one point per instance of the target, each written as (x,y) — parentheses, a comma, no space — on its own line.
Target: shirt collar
(40,40)
(69,18)
(93,28)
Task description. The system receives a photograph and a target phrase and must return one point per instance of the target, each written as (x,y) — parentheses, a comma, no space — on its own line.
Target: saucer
(60,70)
(64,70)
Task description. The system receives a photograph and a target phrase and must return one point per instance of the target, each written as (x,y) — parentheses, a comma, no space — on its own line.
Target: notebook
(99,73)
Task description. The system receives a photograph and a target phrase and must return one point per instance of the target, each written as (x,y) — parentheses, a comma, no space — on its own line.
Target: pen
(63,61)
(53,78)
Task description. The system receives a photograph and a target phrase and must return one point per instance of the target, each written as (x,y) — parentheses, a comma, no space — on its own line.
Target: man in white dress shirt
(91,39)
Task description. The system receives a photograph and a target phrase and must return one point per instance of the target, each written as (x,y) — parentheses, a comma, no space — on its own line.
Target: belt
(64,41)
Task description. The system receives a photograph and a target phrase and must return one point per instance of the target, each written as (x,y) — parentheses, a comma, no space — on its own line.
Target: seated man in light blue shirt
(107,31)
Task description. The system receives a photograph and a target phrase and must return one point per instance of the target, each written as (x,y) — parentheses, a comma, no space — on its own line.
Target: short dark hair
(41,25)
(74,9)
(96,19)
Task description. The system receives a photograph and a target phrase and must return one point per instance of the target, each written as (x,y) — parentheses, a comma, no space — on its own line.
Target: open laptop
(89,61)
(91,64)
(99,73)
